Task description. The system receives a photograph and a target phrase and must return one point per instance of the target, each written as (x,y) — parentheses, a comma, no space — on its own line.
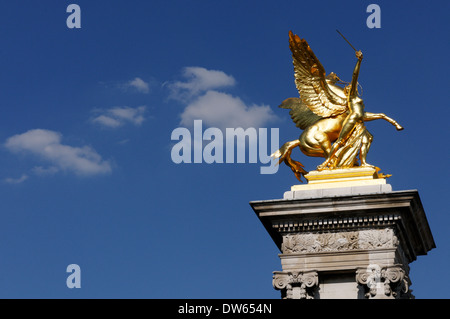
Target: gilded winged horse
(331,117)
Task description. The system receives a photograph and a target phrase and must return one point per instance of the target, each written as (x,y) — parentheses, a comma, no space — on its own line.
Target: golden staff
(346,40)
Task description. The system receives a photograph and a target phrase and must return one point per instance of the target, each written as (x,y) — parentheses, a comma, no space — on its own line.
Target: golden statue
(331,117)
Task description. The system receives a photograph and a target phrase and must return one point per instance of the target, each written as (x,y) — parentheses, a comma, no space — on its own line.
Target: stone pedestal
(346,238)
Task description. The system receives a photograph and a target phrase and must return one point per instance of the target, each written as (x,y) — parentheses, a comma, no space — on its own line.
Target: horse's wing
(300,113)
(311,83)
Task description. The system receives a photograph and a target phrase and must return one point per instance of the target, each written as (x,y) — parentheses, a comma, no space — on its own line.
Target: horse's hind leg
(324,143)
(318,144)
(315,144)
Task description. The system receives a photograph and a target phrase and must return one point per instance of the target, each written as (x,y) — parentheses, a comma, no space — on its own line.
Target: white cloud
(215,108)
(199,80)
(107,121)
(19,180)
(119,116)
(47,145)
(42,171)
(223,110)
(139,85)
(204,101)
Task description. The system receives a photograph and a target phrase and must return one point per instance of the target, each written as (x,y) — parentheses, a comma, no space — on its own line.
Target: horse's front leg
(284,155)
(380,116)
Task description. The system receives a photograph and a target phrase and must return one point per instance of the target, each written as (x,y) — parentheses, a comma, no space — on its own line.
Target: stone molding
(335,223)
(296,284)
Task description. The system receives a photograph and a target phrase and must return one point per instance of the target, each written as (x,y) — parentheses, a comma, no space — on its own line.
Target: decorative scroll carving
(340,241)
(296,285)
(377,238)
(384,282)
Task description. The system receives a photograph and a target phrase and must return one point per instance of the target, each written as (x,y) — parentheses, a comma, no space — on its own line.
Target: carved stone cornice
(389,282)
(401,211)
(296,284)
(335,223)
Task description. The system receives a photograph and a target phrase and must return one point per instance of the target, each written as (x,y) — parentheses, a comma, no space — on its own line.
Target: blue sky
(86,175)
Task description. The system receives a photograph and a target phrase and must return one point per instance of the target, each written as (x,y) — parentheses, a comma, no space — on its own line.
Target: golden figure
(331,117)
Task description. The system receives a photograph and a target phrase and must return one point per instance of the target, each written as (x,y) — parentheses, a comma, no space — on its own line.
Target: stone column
(346,238)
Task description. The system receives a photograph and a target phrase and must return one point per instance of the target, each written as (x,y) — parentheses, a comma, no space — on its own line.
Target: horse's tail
(284,155)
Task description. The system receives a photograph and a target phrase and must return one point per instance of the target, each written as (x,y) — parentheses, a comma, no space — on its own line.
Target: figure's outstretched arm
(354,83)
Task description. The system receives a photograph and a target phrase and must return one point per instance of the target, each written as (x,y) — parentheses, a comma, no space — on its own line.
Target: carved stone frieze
(296,285)
(377,238)
(339,241)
